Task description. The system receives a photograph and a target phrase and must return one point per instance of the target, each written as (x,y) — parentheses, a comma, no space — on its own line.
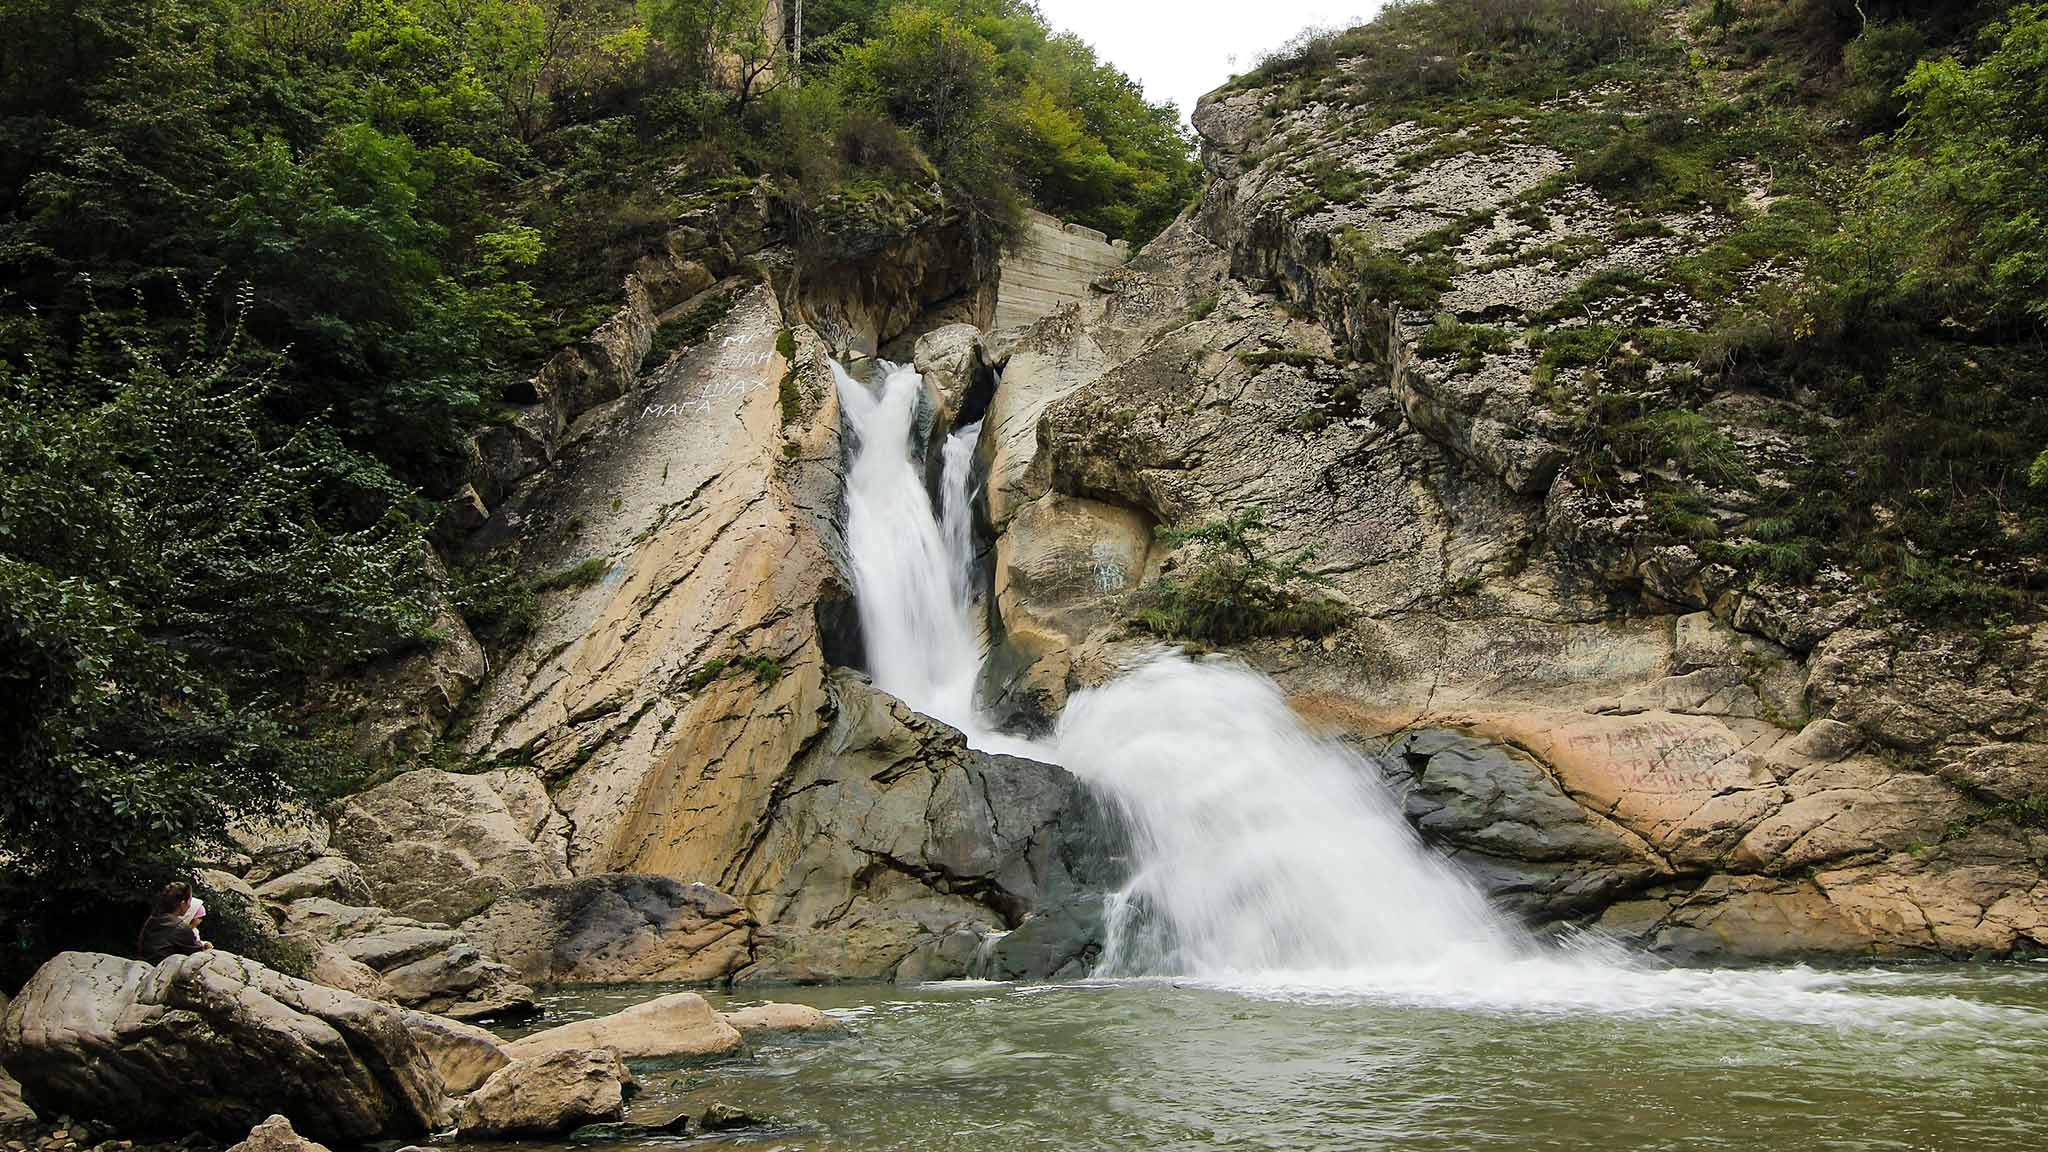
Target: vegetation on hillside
(265,264)
(1886,292)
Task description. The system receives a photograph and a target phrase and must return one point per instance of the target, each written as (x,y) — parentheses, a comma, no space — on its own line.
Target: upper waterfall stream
(1266,858)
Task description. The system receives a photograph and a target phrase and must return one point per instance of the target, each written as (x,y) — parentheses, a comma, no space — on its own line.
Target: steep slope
(1434,342)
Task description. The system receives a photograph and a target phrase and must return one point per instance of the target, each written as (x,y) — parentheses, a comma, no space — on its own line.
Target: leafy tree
(166,573)
(1954,209)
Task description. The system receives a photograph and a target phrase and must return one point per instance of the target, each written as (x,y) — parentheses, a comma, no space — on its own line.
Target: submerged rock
(780,1018)
(681,1024)
(726,1118)
(217,1043)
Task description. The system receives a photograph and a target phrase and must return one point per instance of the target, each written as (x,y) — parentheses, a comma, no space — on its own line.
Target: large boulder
(1534,849)
(464,1054)
(547,1094)
(681,1024)
(894,834)
(615,928)
(421,965)
(335,877)
(13,1113)
(439,846)
(217,1043)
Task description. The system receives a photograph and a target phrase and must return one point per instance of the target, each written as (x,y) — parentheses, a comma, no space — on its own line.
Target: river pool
(1927,1057)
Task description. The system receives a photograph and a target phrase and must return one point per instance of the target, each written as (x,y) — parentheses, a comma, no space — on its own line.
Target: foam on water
(1267,860)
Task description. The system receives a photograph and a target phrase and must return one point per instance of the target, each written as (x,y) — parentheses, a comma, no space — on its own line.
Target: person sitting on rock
(173,928)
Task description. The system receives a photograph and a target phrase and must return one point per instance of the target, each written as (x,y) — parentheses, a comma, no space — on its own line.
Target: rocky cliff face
(675,727)
(1603,720)
(1603,725)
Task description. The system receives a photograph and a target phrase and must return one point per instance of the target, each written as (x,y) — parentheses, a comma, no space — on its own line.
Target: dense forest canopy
(265,264)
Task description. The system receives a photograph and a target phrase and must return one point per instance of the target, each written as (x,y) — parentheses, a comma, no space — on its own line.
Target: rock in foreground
(217,1043)
(277,1135)
(550,1093)
(677,1025)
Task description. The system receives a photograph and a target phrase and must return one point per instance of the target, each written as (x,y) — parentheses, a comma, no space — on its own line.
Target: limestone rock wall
(1599,725)
(1049,265)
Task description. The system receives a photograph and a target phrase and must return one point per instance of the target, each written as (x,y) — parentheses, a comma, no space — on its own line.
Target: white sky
(1179,49)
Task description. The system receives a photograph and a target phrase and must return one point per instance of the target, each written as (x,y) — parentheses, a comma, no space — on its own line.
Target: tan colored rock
(679,1024)
(773,1017)
(1059,567)
(277,1135)
(949,359)
(337,969)
(714,511)
(546,1095)
(1049,266)
(1746,916)
(434,845)
(277,847)
(431,967)
(13,1113)
(334,877)
(215,1042)
(464,1054)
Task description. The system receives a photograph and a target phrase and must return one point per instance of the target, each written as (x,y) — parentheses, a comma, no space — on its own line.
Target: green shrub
(1447,336)
(495,601)
(687,329)
(581,574)
(1232,590)
(1696,444)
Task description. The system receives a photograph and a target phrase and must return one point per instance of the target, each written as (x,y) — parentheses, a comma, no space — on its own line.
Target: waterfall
(1258,846)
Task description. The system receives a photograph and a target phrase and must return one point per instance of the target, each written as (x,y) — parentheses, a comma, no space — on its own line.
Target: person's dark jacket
(164,936)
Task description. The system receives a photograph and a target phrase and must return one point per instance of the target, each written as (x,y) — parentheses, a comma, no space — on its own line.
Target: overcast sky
(1179,49)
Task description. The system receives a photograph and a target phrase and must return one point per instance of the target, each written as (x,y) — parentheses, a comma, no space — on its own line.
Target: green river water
(1932,1057)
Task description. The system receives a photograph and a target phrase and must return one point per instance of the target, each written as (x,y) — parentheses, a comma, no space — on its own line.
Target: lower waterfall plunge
(1265,858)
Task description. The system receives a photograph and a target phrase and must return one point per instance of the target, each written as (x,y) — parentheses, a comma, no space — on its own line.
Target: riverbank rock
(14,1114)
(438,846)
(217,1043)
(464,1054)
(333,877)
(893,834)
(613,928)
(681,1024)
(780,1018)
(547,1094)
(277,1135)
(410,962)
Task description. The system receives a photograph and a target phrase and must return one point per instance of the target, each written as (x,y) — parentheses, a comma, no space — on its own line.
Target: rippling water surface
(1920,1058)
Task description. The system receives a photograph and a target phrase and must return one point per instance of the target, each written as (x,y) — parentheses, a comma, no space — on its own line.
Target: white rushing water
(1266,858)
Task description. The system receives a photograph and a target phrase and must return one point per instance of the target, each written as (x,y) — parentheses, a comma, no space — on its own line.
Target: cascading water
(1259,846)
(1265,858)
